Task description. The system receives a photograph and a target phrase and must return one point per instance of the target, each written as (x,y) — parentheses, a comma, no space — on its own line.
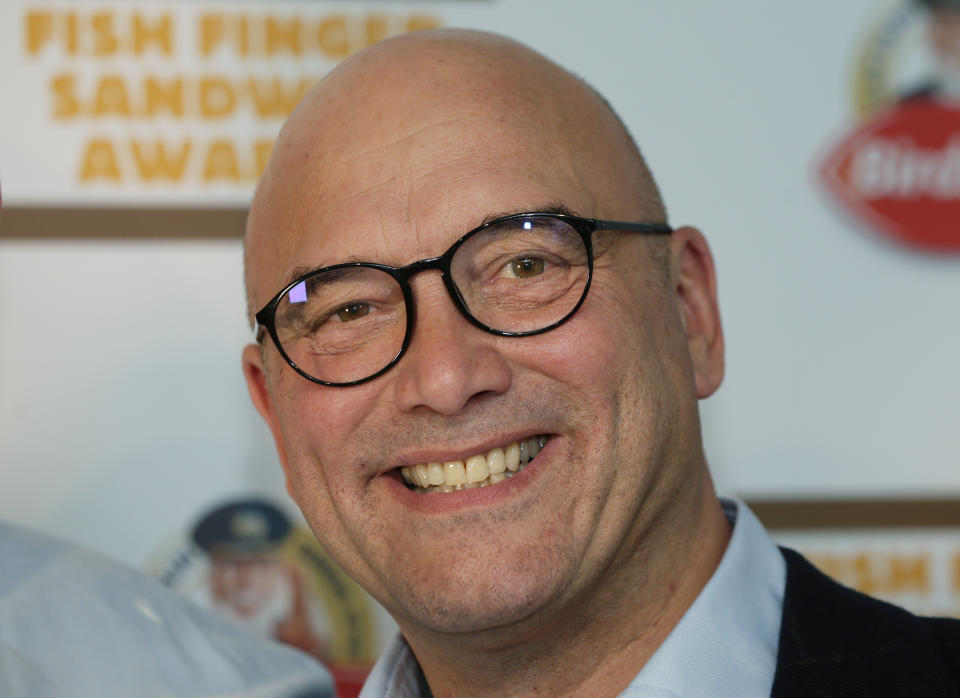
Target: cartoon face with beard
(255,591)
(250,583)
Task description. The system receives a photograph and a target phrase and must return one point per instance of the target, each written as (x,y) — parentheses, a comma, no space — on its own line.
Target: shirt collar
(724,645)
(396,674)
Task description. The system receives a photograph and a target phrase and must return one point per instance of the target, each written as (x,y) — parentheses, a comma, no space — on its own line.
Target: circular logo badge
(898,169)
(246,560)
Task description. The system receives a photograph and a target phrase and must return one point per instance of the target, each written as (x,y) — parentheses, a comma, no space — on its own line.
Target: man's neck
(597,645)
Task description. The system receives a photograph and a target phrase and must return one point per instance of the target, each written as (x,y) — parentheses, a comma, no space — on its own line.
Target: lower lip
(440,502)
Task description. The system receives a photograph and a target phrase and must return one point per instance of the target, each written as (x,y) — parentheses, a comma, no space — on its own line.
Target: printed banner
(124,103)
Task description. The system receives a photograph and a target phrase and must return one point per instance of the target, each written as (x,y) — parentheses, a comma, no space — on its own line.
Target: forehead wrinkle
(372,171)
(401,140)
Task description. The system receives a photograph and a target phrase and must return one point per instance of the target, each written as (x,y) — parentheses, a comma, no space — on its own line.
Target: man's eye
(354,311)
(526,267)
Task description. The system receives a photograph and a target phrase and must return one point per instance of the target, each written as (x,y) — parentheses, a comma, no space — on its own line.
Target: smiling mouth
(481,470)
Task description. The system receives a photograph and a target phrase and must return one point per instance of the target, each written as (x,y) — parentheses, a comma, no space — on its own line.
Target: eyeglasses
(515,276)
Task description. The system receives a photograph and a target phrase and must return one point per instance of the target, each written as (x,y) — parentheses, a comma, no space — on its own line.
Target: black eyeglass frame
(584,226)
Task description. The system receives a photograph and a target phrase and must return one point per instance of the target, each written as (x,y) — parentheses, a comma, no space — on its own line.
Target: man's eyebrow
(553,207)
(299,272)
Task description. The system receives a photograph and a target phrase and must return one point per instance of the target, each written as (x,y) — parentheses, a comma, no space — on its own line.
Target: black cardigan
(838,642)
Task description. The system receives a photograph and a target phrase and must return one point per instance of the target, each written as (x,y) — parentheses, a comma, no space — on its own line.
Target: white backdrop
(122,406)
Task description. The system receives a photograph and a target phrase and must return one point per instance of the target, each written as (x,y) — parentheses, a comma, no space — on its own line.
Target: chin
(479,613)
(476,599)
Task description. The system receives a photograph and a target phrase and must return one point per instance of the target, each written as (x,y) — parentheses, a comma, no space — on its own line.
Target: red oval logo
(899,172)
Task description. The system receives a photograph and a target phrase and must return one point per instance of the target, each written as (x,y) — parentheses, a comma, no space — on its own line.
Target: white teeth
(477,471)
(511,456)
(434,474)
(496,461)
(454,473)
(420,475)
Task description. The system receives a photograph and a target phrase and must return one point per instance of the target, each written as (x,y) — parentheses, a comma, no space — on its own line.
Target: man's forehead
(457,131)
(419,212)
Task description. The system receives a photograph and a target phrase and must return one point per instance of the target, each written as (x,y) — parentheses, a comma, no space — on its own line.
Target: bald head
(382,143)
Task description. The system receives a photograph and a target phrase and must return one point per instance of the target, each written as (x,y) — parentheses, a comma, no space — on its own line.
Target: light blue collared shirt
(725,645)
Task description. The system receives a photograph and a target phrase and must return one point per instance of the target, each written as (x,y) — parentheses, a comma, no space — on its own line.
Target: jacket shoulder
(835,641)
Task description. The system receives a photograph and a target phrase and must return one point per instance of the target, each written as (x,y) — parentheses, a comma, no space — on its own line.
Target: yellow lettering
(65,104)
(282,35)
(221,162)
(879,574)
(73,34)
(829,565)
(162,94)
(273,98)
(261,152)
(211,33)
(908,574)
(99,161)
(332,36)
(863,574)
(377,29)
(417,22)
(216,98)
(100,34)
(38,30)
(145,33)
(335,35)
(104,37)
(111,97)
(154,162)
(243,36)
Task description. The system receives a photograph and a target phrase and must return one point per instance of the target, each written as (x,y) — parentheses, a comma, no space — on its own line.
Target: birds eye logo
(898,169)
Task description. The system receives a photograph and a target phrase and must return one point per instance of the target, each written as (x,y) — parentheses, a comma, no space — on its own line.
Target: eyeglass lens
(517,276)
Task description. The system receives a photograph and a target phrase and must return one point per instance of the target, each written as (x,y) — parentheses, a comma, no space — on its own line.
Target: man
(458,260)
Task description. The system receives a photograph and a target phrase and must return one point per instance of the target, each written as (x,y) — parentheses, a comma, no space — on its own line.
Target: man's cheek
(581,361)
(326,416)
(598,341)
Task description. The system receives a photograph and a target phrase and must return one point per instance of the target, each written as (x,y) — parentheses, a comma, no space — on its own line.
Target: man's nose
(449,362)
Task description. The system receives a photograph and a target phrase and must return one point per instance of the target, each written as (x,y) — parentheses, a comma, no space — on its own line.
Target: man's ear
(256,377)
(694,282)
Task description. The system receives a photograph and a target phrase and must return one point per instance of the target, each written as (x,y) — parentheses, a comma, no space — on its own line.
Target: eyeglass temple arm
(649,228)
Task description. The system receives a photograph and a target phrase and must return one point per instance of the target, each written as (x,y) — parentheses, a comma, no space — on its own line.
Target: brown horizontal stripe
(856,513)
(46,223)
(184,223)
